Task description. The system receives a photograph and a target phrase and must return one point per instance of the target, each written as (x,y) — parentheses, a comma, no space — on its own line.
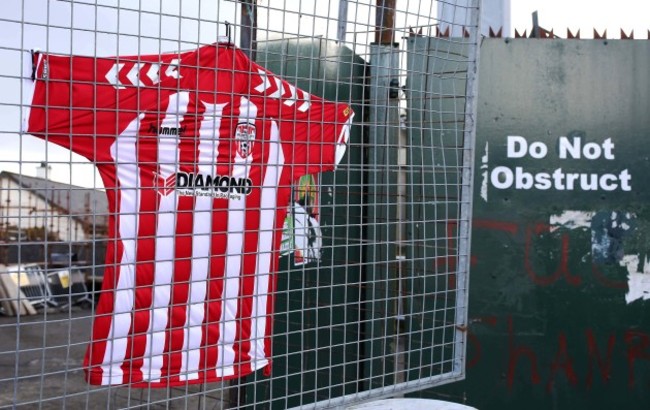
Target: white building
(36,209)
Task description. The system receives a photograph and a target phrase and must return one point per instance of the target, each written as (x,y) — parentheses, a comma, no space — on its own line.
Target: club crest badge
(245,139)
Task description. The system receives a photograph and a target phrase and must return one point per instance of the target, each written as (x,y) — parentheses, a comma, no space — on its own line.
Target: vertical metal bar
(343,21)
(248,35)
(383,279)
(536,30)
(385,22)
(466,189)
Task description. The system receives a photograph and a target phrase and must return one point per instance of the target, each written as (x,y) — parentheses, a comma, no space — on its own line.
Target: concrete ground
(41,360)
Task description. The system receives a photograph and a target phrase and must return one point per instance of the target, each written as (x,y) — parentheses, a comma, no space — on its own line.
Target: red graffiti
(474,342)
(607,282)
(450,260)
(605,366)
(637,349)
(562,361)
(509,227)
(515,353)
(563,268)
(538,364)
(532,233)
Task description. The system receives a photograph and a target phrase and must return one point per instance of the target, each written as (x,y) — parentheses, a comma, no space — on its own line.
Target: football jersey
(197,151)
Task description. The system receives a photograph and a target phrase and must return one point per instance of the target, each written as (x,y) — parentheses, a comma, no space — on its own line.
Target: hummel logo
(166,130)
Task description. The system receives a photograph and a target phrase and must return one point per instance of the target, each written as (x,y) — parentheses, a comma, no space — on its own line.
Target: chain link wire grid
(370,298)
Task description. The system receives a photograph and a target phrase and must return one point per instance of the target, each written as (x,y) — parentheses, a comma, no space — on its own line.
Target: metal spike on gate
(525,34)
(498,34)
(413,33)
(569,34)
(627,37)
(600,37)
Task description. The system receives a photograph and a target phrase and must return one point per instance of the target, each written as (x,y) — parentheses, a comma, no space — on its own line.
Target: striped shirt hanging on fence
(197,151)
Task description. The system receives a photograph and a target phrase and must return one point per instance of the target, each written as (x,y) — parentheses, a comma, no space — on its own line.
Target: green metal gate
(559,303)
(318,307)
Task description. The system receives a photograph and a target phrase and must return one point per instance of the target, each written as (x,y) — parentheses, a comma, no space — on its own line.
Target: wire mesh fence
(221,204)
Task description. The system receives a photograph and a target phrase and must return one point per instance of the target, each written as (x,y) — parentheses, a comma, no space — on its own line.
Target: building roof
(86,205)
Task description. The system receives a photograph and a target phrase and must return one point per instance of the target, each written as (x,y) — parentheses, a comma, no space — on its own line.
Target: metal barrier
(32,282)
(275,196)
(46,287)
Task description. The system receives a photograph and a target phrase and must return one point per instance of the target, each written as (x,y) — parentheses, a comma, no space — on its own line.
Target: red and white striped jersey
(197,151)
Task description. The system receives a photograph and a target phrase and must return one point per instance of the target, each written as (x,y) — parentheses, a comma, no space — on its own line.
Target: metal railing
(369,297)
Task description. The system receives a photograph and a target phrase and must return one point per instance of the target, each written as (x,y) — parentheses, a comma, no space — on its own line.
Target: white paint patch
(484,167)
(571,220)
(638,282)
(631,262)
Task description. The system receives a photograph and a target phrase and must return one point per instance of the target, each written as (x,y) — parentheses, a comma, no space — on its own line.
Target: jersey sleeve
(314,132)
(67,106)
(83,103)
(316,139)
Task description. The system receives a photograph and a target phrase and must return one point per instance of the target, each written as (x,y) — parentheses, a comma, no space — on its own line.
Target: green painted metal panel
(435,122)
(381,279)
(318,306)
(558,302)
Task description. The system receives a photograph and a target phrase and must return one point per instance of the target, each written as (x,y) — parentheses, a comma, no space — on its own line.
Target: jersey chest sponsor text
(218,183)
